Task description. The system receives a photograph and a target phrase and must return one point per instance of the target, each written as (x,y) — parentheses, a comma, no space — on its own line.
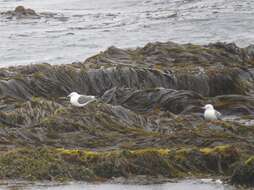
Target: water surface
(183,185)
(82,28)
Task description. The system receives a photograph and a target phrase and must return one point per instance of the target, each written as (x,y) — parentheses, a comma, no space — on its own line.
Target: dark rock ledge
(21,12)
(147,120)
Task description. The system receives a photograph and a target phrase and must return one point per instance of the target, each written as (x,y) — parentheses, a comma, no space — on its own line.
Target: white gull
(79,100)
(210,113)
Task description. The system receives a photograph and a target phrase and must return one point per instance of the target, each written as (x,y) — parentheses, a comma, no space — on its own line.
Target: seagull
(80,100)
(210,113)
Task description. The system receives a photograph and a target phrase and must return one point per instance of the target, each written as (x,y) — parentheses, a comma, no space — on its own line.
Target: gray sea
(76,29)
(205,184)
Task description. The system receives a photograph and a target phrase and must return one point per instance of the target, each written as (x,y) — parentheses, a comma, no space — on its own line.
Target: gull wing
(218,114)
(85,99)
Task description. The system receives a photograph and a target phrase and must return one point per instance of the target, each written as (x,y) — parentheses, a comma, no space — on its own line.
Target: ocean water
(181,185)
(78,29)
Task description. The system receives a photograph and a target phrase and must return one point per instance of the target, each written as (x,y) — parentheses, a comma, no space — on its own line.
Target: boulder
(244,174)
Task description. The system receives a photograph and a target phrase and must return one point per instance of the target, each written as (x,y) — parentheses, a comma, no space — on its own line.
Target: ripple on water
(123,23)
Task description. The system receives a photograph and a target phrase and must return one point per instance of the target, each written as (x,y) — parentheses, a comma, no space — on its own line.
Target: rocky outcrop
(62,164)
(58,81)
(104,126)
(171,54)
(21,12)
(147,98)
(233,74)
(176,101)
(211,70)
(244,174)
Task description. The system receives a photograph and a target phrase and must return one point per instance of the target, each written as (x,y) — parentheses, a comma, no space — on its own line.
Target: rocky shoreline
(147,120)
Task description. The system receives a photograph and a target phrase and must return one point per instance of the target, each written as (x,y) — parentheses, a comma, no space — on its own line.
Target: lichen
(217,149)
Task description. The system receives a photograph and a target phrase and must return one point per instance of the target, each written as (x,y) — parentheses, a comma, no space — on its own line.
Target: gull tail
(218,115)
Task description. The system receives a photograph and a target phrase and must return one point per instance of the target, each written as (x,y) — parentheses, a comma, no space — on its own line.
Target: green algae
(38,75)
(59,163)
(39,164)
(249,161)
(218,149)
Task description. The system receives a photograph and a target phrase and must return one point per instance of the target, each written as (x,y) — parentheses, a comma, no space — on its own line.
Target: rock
(30,12)
(171,54)
(244,174)
(66,164)
(20,9)
(21,12)
(61,80)
(250,52)
(148,100)
(147,121)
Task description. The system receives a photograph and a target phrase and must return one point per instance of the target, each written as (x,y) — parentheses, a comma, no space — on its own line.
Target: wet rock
(210,70)
(228,47)
(123,68)
(21,12)
(62,164)
(55,81)
(104,126)
(171,54)
(177,101)
(235,104)
(148,100)
(148,97)
(244,174)
(250,52)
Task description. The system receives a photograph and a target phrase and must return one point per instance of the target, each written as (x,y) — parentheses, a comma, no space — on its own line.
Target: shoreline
(117,183)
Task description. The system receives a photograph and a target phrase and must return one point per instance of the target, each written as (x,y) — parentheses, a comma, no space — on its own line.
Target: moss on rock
(59,164)
(39,164)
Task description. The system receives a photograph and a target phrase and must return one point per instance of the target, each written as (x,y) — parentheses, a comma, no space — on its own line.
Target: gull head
(208,106)
(72,94)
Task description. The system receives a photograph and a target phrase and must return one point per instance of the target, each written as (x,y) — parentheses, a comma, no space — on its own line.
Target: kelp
(147,119)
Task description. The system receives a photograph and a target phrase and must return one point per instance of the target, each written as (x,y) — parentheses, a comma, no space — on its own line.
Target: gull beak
(69,96)
(203,107)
